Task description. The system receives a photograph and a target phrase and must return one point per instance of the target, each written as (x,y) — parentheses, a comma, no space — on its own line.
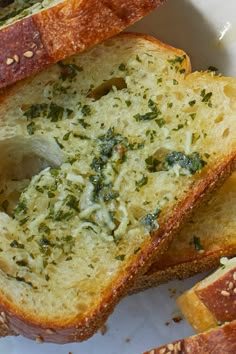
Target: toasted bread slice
(209,235)
(212,301)
(103,157)
(215,341)
(37,33)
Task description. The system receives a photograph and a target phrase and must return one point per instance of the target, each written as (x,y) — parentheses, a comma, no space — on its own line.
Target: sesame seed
(162,351)
(28,54)
(16,58)
(33,45)
(170,346)
(231,285)
(179,346)
(9,61)
(234,276)
(235,290)
(225,293)
(50,331)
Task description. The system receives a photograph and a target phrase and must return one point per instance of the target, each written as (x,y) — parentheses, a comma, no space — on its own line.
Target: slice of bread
(103,158)
(212,301)
(209,235)
(37,33)
(216,341)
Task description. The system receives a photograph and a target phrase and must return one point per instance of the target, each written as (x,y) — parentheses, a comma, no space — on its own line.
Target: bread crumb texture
(96,151)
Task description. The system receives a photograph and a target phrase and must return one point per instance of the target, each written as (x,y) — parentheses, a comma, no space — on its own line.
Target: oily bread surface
(59,29)
(87,222)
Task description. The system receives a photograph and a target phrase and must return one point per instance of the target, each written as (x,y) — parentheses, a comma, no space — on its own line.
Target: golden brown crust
(220,297)
(72,26)
(218,340)
(160,273)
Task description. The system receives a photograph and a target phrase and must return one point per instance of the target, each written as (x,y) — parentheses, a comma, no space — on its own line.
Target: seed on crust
(234,276)
(28,54)
(10,61)
(225,293)
(163,351)
(170,346)
(231,285)
(16,58)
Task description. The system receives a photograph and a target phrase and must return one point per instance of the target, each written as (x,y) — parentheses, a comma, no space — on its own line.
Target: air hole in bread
(103,89)
(21,159)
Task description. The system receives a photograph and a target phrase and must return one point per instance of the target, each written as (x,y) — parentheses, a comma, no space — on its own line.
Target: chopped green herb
(31,128)
(20,208)
(86,110)
(16,244)
(39,189)
(120,257)
(149,221)
(177,60)
(205,96)
(160,122)
(23,221)
(180,126)
(36,110)
(192,103)
(196,242)
(142,181)
(72,202)
(192,162)
(66,136)
(43,228)
(58,143)
(122,67)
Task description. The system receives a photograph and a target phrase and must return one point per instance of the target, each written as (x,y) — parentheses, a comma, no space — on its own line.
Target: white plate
(206,30)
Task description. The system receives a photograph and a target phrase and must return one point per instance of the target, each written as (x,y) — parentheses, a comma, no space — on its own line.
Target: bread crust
(212,301)
(218,340)
(35,42)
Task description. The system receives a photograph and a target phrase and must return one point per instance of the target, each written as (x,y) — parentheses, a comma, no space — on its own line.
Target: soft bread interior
(130,155)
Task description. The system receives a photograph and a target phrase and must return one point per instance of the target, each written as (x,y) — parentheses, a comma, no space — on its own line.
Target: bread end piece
(215,341)
(212,301)
(46,37)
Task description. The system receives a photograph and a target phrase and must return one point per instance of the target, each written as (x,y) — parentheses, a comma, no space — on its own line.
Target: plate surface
(206,30)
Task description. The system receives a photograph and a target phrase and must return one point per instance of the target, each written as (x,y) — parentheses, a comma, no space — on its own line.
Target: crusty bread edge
(37,41)
(218,340)
(182,270)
